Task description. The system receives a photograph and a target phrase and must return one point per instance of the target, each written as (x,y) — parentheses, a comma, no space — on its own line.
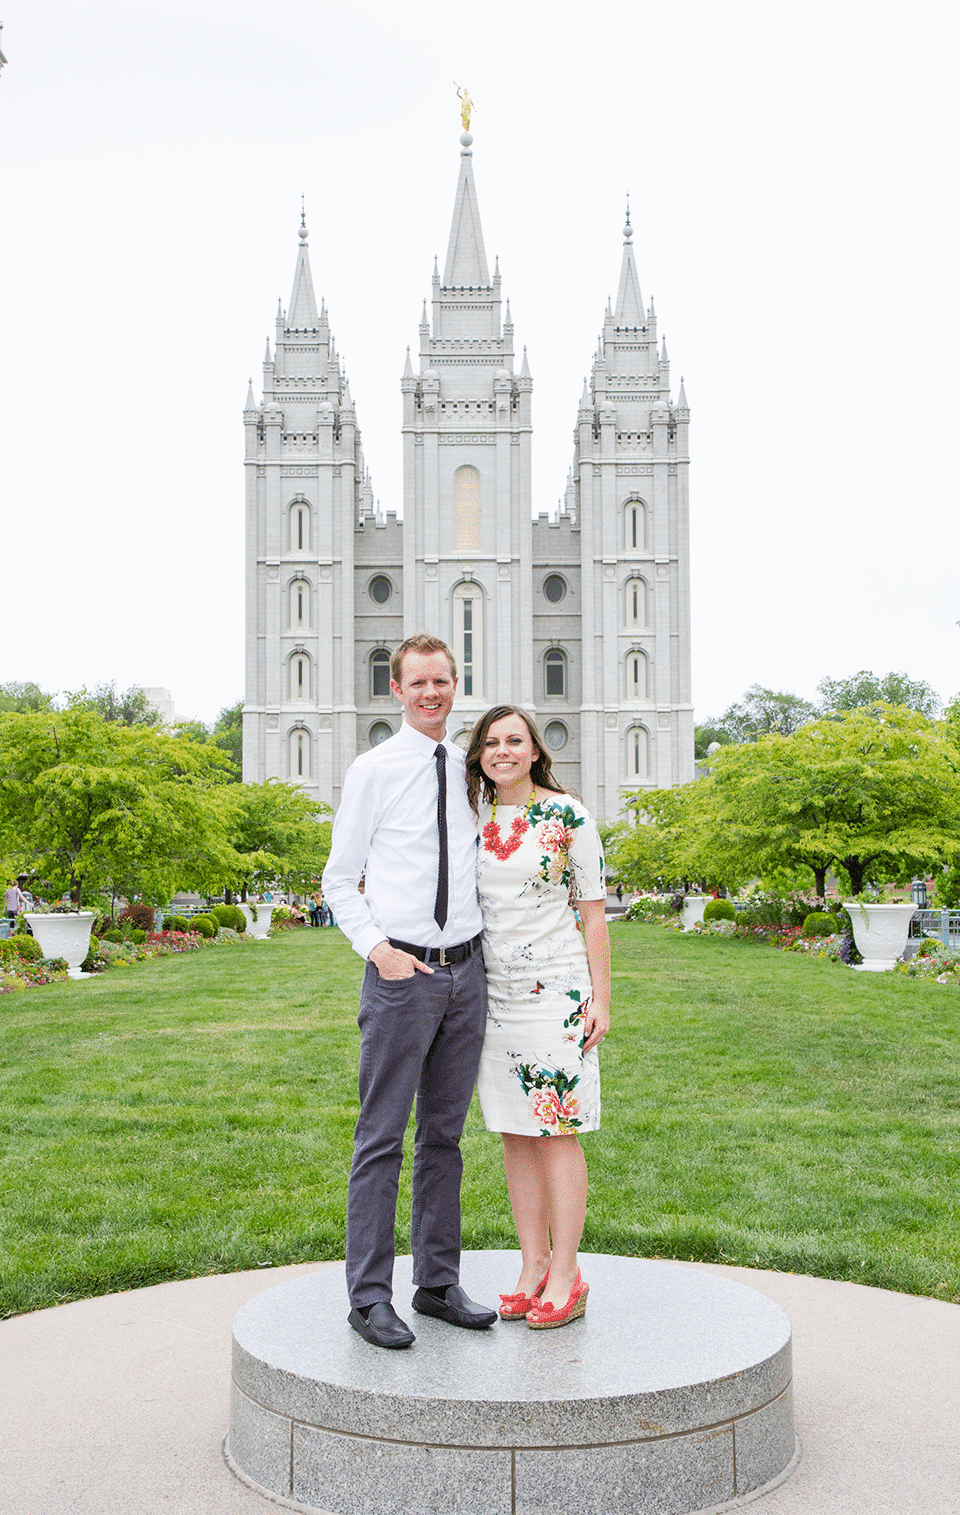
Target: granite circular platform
(673,1394)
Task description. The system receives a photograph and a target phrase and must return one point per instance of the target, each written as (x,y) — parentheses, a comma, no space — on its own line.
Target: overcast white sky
(791,170)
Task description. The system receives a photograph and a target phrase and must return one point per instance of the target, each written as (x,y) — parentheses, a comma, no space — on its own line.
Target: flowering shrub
(935,961)
(654,909)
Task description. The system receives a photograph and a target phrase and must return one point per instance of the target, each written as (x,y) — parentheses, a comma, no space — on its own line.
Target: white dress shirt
(386,829)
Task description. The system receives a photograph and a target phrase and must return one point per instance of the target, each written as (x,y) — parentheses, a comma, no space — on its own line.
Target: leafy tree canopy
(279,834)
(865,690)
(23,697)
(128,707)
(89,804)
(228,734)
(760,712)
(875,793)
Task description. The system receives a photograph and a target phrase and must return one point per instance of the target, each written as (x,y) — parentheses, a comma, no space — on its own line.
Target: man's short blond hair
(424,643)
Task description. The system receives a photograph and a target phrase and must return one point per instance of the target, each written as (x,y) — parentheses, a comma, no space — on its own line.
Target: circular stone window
(380,589)
(556,735)
(380,731)
(554,588)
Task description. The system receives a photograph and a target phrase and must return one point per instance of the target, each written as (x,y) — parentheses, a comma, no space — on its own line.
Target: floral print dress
(534,1079)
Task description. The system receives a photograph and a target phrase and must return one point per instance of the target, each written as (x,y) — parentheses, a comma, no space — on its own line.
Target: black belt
(441,955)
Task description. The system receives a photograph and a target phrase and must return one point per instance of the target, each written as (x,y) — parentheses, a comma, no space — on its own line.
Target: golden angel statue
(467,106)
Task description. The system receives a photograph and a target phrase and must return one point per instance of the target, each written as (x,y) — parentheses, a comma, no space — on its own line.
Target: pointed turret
(266,356)
(408,367)
(466,260)
(251,402)
(303,306)
(629,311)
(525,366)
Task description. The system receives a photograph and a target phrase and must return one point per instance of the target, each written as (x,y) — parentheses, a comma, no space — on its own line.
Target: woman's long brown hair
(477,782)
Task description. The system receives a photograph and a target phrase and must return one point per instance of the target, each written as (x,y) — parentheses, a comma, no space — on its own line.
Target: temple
(582,617)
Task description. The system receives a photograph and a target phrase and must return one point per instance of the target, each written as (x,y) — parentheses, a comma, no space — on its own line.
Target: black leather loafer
(456,1307)
(382,1327)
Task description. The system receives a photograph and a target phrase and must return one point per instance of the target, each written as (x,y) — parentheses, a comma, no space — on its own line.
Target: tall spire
(629,311)
(303,306)
(466,260)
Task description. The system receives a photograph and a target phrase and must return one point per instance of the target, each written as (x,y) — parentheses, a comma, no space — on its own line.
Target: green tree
(279,835)
(88,804)
(128,707)
(20,698)
(864,690)
(876,794)
(228,735)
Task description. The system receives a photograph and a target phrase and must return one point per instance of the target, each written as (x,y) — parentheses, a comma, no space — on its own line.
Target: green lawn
(194,1115)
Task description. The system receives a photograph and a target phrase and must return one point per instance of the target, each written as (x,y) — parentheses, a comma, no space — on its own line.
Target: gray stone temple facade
(582,618)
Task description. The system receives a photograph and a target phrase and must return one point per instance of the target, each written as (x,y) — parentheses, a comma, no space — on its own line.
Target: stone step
(673,1394)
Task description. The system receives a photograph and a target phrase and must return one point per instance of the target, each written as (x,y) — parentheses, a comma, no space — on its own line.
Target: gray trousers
(420,1038)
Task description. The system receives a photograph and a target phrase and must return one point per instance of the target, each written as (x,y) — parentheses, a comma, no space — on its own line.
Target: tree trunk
(228,896)
(243,893)
(820,881)
(856,870)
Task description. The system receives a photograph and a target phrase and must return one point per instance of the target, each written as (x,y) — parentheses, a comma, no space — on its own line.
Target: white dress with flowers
(534,1079)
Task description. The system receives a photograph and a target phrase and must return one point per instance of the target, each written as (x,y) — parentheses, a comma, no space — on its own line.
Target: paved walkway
(119,1405)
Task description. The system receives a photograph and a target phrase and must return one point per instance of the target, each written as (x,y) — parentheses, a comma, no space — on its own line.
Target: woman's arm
(596,939)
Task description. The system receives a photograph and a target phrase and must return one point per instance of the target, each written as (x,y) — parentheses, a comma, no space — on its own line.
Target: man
(406,826)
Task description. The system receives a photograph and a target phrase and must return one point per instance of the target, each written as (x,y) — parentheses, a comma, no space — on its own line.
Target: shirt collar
(416,739)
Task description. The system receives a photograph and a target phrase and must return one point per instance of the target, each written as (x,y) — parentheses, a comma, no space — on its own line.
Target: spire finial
(628,229)
(303,219)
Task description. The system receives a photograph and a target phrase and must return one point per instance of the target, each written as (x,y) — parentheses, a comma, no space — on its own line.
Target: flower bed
(103,955)
(935,961)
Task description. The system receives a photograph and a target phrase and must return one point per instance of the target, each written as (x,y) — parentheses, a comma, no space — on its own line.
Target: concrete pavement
(119,1405)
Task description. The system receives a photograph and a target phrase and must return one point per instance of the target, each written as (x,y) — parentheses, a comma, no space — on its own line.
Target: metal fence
(944,924)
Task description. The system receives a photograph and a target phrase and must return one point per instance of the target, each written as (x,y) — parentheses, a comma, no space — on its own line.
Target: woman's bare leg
(564,1170)
(528,1201)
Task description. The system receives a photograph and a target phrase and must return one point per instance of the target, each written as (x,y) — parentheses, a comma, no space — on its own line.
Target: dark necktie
(440,908)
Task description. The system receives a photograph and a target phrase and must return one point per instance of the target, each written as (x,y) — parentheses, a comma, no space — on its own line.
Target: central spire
(629,311)
(466,260)
(303,305)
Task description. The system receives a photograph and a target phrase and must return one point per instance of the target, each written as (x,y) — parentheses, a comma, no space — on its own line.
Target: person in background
(13,900)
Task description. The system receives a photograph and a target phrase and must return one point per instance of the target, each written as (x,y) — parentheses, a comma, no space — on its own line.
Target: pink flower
(544,1106)
(553,836)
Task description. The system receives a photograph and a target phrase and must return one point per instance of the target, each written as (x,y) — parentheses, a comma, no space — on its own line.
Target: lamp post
(918,891)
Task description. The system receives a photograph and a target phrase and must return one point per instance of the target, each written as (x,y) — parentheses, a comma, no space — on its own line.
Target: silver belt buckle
(443,957)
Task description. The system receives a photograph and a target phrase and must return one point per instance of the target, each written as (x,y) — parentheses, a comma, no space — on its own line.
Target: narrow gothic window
(380,674)
(468,637)
(555,673)
(300,605)
(299,754)
(636,591)
(466,492)
(637,762)
(635,526)
(300,676)
(638,676)
(299,526)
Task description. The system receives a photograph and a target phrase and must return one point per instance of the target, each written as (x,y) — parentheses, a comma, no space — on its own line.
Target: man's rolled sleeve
(353,828)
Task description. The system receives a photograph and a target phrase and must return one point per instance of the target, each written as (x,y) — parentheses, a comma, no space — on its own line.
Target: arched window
(466,500)
(635,603)
(299,753)
(555,674)
(300,526)
(638,676)
(637,754)
(300,605)
(468,635)
(299,676)
(379,674)
(634,526)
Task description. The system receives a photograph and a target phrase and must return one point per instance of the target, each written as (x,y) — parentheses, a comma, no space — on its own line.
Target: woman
(548,983)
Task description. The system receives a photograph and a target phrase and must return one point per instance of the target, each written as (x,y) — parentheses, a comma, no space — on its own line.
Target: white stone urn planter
(66,936)
(880,932)
(257,929)
(693,907)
